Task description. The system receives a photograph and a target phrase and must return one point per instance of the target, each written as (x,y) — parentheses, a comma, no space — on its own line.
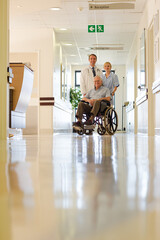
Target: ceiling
(119,26)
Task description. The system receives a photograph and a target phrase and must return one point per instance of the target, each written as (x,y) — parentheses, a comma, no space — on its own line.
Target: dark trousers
(86,108)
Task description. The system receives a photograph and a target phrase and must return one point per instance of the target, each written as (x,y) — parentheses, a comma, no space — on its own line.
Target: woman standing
(110,80)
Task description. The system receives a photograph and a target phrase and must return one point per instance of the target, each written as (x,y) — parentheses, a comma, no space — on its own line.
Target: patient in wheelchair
(96,99)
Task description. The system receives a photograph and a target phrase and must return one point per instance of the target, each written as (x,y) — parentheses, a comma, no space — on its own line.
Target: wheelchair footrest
(89,127)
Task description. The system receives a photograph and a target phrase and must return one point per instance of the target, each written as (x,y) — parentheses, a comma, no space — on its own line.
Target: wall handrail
(142,98)
(156,86)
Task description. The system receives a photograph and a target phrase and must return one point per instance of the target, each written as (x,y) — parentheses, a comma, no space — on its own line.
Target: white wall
(130,85)
(50,58)
(143,109)
(41,41)
(62,112)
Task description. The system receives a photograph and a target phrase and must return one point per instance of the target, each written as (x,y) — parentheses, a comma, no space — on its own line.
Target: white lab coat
(87,78)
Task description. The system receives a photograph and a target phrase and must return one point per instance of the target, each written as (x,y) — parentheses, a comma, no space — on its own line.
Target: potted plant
(75,97)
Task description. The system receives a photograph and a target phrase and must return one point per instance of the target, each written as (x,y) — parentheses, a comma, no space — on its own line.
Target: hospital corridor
(67,173)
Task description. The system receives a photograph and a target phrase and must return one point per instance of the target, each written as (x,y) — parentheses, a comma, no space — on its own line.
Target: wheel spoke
(114,116)
(111,127)
(110,121)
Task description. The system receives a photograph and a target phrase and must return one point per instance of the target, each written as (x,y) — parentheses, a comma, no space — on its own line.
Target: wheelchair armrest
(107,102)
(84,101)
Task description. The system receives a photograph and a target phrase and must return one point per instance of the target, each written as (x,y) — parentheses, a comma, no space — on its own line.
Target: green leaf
(75,96)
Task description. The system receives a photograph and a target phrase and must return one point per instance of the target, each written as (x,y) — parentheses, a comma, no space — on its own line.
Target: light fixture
(72,55)
(80,9)
(19,6)
(55,8)
(63,29)
(68,44)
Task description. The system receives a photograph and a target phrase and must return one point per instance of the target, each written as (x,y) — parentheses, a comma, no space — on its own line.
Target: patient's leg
(82,108)
(95,109)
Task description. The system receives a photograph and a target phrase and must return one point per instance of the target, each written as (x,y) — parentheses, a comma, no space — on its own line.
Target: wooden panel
(47,104)
(22,83)
(46,98)
(46,101)
(18,71)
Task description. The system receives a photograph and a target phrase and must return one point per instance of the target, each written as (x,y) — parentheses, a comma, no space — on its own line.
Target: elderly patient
(94,98)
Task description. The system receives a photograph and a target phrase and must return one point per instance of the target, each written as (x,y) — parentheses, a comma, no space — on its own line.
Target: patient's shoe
(78,126)
(88,122)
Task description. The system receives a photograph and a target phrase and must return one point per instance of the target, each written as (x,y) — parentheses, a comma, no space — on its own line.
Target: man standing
(88,74)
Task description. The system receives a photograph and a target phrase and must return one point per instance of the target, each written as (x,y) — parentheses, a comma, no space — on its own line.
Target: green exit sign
(100,28)
(95,28)
(91,28)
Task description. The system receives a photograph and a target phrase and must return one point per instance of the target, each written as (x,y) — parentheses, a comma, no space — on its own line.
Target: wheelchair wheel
(101,130)
(110,120)
(88,132)
(80,132)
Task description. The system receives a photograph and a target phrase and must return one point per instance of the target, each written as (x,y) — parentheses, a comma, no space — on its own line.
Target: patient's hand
(92,101)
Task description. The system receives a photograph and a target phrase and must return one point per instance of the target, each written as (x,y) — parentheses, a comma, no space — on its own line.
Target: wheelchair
(106,121)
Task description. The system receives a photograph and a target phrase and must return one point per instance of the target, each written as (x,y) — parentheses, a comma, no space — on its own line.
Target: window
(142,83)
(77,78)
(105,71)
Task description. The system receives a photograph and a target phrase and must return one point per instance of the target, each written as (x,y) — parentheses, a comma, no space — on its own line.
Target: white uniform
(87,78)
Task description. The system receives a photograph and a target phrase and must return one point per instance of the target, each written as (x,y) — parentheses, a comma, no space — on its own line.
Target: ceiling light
(68,44)
(63,29)
(72,55)
(19,6)
(55,8)
(80,9)
(85,48)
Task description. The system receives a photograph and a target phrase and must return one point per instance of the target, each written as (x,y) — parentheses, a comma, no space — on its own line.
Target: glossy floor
(71,187)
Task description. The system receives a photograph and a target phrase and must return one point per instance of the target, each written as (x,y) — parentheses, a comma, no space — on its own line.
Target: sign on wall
(95,28)
(91,28)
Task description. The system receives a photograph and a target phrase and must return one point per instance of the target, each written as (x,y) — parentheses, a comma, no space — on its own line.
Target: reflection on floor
(71,187)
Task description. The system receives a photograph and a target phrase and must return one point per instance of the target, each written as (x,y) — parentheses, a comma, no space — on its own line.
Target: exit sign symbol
(91,28)
(95,28)
(100,28)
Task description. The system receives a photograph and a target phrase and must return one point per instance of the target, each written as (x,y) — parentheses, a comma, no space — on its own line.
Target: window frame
(75,83)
